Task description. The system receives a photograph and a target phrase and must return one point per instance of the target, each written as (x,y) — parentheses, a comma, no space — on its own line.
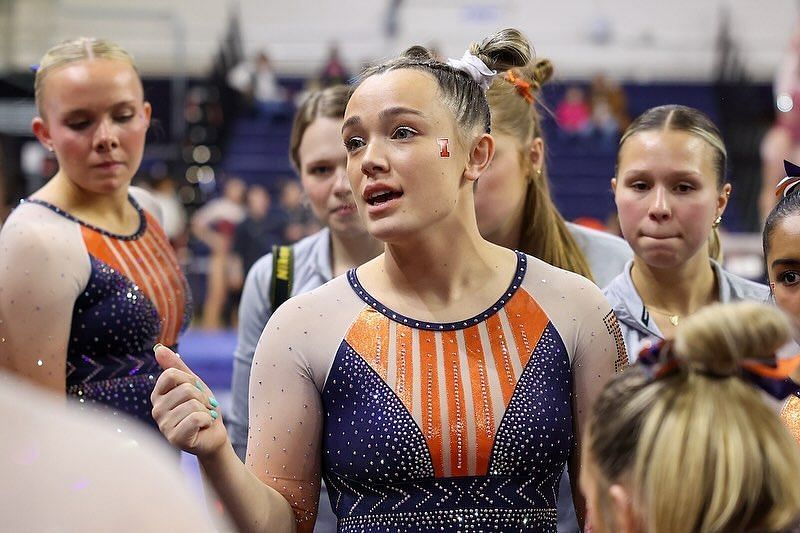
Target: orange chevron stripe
(528,322)
(431,406)
(405,366)
(369,337)
(455,405)
(484,414)
(501,357)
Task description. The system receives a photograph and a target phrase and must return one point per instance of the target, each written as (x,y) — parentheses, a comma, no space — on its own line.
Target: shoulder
(744,289)
(562,294)
(599,238)
(147,202)
(33,227)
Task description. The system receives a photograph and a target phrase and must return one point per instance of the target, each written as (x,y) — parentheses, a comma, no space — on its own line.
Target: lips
(379,194)
(344,209)
(108,164)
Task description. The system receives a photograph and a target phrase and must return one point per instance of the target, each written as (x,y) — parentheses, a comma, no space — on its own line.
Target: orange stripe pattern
(151,263)
(456,384)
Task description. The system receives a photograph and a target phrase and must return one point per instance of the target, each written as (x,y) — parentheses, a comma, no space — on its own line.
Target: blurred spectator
(300,222)
(173,212)
(782,141)
(334,71)
(256,80)
(214,224)
(573,113)
(609,111)
(263,228)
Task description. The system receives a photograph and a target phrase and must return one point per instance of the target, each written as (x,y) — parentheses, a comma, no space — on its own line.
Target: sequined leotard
(420,426)
(132,296)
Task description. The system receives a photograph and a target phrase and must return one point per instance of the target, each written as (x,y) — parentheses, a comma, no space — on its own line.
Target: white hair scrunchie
(477,69)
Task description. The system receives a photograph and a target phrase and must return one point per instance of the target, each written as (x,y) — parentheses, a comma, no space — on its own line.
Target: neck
(440,266)
(679,291)
(64,193)
(351,251)
(509,235)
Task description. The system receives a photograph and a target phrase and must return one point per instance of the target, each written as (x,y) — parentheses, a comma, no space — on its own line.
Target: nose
(341,185)
(659,207)
(373,160)
(105,137)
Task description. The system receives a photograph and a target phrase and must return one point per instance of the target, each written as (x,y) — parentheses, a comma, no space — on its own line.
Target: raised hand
(184,408)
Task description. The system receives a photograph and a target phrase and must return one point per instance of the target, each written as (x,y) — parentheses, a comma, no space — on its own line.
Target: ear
(614,185)
(479,157)
(537,153)
(722,199)
(624,517)
(148,112)
(42,132)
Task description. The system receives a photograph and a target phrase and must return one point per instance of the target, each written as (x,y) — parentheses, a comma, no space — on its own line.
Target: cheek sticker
(443,151)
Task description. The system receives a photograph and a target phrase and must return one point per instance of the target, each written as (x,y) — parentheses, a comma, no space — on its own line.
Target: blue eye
(404,132)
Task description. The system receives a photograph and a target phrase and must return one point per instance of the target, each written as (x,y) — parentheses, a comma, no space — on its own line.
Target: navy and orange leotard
(128,293)
(415,426)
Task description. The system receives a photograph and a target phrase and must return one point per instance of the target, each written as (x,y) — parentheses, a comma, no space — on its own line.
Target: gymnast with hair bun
(88,279)
(441,386)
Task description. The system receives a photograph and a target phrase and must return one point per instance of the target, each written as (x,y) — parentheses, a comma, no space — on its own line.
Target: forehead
(404,87)
(667,150)
(91,83)
(785,239)
(322,138)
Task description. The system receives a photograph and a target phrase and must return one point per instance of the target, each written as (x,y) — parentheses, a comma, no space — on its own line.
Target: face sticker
(443,151)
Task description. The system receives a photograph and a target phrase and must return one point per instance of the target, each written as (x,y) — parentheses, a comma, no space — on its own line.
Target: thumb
(166,358)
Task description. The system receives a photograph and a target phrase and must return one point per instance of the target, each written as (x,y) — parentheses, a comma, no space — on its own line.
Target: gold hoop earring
(717,222)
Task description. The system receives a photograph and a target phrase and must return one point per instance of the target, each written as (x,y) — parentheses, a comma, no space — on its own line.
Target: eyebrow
(383,115)
(785,262)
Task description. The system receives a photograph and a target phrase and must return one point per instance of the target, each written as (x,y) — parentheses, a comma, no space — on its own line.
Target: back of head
(700,449)
(459,90)
(692,121)
(80,49)
(329,103)
(513,99)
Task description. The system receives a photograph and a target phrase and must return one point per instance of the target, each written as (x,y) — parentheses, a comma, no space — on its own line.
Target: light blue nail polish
(198,385)
(213,414)
(213,402)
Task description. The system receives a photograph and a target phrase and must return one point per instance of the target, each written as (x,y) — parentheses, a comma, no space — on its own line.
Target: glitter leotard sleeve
(89,305)
(429,426)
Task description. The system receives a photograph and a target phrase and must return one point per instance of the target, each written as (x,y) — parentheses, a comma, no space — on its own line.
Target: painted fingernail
(198,385)
(213,414)
(156,346)
(213,402)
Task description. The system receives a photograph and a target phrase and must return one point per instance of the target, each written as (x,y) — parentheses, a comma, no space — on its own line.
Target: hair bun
(418,53)
(716,338)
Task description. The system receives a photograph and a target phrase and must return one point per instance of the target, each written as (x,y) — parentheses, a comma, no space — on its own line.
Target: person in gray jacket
(512,197)
(670,192)
(320,159)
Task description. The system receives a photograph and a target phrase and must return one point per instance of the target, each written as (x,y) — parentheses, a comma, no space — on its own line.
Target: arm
(283,456)
(254,312)
(43,268)
(599,353)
